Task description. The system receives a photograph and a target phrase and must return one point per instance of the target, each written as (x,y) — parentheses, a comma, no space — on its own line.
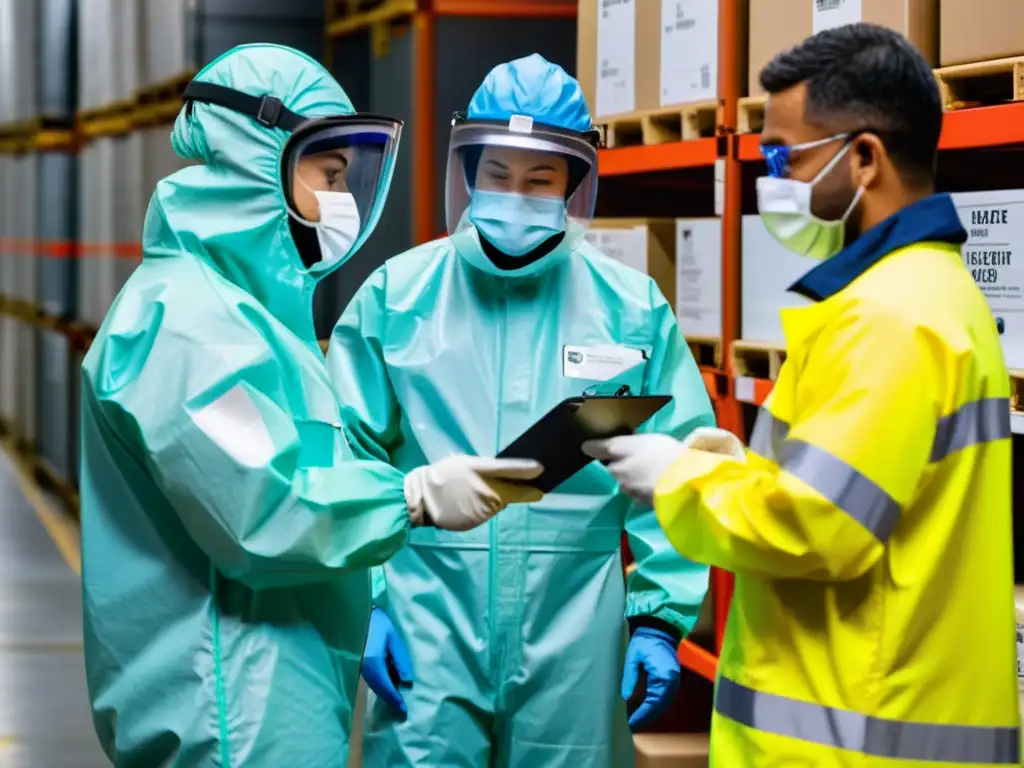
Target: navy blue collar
(933,219)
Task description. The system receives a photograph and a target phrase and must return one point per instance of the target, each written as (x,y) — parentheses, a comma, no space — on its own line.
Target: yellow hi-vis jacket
(870,528)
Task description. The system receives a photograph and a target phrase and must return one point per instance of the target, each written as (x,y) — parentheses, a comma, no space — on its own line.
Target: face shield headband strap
(268,111)
(594,137)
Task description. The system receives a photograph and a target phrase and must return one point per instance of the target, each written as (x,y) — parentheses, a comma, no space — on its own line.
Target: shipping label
(699,276)
(616,57)
(829,14)
(993,253)
(628,246)
(689,51)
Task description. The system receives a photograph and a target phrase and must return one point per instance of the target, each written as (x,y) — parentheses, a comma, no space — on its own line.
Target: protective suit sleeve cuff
(669,495)
(650,622)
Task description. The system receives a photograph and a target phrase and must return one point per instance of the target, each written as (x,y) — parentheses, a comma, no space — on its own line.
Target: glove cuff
(414,500)
(657,630)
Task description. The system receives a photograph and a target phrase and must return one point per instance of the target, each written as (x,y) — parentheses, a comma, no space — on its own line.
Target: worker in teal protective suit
(228,524)
(506,646)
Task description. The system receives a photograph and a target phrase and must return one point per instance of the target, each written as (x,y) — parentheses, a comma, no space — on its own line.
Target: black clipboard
(556,439)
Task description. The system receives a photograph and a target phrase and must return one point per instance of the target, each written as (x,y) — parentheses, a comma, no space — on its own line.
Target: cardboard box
(980,30)
(671,750)
(776,25)
(646,245)
(637,55)
(698,299)
(768,269)
(994,252)
(607,55)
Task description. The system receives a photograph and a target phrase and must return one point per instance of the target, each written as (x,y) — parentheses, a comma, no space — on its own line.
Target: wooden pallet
(982,83)
(661,126)
(707,350)
(750,114)
(757,360)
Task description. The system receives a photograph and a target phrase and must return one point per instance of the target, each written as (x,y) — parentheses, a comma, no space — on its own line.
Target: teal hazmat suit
(516,630)
(228,526)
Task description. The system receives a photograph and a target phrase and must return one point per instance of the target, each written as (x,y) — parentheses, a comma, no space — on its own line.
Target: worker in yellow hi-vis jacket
(869,523)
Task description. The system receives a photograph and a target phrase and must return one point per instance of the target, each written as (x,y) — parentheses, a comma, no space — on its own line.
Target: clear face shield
(335,171)
(336,174)
(520,183)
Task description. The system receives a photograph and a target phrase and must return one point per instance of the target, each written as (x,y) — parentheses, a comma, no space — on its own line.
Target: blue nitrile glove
(386,662)
(655,651)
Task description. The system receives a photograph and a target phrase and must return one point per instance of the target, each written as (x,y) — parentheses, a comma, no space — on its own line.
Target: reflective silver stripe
(976,422)
(769,432)
(868,735)
(843,485)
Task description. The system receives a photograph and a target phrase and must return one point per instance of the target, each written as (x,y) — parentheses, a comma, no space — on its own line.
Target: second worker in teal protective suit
(511,639)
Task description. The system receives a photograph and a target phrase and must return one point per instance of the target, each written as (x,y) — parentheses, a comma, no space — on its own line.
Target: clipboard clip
(623,391)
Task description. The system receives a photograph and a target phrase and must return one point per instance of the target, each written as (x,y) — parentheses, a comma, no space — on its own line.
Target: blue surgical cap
(534,87)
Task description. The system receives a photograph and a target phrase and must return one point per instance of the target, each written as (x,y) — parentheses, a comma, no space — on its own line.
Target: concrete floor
(44,711)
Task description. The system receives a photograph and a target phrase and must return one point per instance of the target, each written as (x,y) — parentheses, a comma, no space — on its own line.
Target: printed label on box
(689,51)
(699,276)
(994,253)
(626,245)
(767,271)
(828,14)
(616,57)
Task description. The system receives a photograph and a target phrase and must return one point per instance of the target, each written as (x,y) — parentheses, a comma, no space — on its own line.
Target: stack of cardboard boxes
(643,55)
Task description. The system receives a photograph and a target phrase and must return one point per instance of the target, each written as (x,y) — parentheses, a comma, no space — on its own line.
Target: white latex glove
(461,492)
(637,462)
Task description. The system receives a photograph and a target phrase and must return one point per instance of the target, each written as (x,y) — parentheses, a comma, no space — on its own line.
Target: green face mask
(785,208)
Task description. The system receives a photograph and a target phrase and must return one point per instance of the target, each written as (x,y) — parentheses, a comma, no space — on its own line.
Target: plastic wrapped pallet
(8,342)
(180,37)
(768,269)
(97,71)
(96,273)
(18,61)
(56,211)
(54,405)
(74,415)
(56,63)
(27,174)
(129,207)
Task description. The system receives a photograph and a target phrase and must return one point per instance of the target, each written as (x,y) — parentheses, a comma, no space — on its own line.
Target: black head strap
(268,111)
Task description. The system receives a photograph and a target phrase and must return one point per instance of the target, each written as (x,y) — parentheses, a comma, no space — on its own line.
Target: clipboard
(556,439)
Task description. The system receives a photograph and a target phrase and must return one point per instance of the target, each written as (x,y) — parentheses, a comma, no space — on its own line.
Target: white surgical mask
(785,208)
(337,230)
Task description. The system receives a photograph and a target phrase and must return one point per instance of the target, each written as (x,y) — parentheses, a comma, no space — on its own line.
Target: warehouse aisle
(44,712)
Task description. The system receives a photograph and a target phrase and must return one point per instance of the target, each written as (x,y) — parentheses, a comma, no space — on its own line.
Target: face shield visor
(335,171)
(520,183)
(339,170)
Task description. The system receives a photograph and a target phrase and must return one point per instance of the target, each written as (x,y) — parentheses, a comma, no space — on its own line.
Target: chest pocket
(317,442)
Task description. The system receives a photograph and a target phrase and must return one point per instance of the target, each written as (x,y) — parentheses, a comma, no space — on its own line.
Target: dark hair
(867,77)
